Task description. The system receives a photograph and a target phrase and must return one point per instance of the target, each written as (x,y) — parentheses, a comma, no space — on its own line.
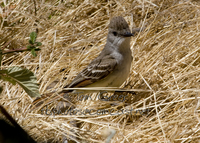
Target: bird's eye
(115,33)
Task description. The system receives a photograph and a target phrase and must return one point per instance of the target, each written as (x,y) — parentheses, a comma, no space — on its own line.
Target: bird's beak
(128,34)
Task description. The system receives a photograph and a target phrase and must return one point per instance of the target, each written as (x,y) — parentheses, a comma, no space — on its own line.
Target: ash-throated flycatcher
(111,68)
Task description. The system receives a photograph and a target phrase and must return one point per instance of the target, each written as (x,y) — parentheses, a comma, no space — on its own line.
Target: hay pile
(165,70)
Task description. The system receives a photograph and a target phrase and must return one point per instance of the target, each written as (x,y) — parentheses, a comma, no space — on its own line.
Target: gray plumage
(112,66)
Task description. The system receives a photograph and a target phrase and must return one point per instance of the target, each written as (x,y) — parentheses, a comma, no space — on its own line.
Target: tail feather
(47,99)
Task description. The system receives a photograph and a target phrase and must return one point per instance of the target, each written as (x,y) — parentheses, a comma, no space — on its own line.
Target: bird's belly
(115,79)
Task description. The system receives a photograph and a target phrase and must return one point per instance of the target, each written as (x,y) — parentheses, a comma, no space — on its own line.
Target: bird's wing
(98,69)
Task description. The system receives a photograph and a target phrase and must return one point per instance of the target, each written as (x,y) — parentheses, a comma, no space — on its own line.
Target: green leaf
(1,89)
(33,52)
(2,4)
(29,47)
(25,78)
(3,76)
(37,49)
(33,36)
(50,16)
(0,56)
(9,79)
(3,71)
(38,43)
(30,42)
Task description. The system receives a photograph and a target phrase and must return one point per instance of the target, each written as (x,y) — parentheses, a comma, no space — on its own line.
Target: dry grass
(165,69)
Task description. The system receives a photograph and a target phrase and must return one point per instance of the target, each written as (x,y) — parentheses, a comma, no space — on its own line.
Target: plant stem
(15,50)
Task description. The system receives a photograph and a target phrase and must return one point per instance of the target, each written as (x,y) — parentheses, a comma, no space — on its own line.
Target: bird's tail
(46,99)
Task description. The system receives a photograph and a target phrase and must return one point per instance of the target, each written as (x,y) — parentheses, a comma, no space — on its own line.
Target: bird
(111,67)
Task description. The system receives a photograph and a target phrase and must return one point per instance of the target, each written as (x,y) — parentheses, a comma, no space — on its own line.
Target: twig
(15,50)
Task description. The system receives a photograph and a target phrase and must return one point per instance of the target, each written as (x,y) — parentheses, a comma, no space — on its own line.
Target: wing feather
(95,71)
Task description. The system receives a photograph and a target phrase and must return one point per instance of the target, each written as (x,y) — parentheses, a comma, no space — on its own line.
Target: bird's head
(118,30)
